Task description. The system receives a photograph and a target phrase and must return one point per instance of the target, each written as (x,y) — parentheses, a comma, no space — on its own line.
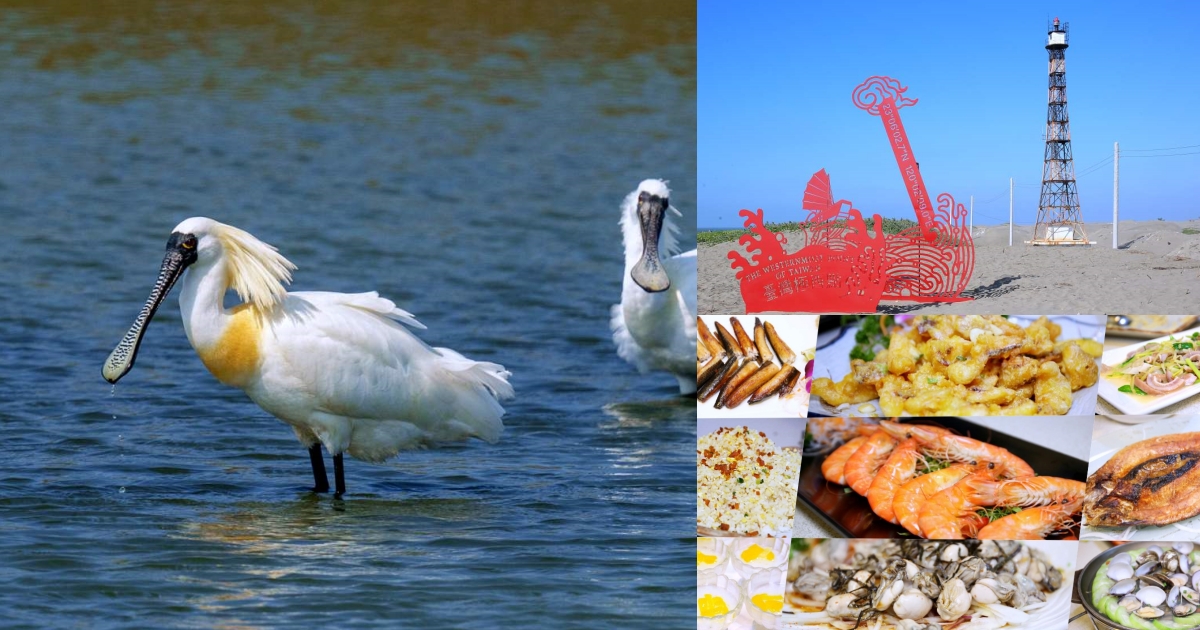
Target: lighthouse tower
(1059,220)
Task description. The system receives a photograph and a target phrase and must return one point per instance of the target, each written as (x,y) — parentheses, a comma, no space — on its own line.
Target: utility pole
(1010,212)
(1116,185)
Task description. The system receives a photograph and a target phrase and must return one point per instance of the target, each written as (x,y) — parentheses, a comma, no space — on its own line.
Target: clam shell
(1123,587)
(1183,547)
(1183,610)
(1151,595)
(1118,572)
(1147,568)
(1130,603)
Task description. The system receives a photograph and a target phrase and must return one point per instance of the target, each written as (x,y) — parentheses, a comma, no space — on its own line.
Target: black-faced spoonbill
(654,326)
(340,368)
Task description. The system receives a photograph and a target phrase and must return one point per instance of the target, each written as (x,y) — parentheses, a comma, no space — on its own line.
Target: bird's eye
(189,242)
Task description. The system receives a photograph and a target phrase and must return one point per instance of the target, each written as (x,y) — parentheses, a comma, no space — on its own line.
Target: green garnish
(740,480)
(846,491)
(1183,345)
(931,380)
(961,358)
(871,334)
(760,480)
(800,544)
(934,465)
(1191,366)
(994,513)
(1131,389)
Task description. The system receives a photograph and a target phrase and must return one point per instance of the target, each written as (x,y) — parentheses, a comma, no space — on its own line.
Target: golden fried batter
(1079,367)
(1092,347)
(1052,390)
(868,372)
(970,365)
(1018,370)
(902,352)
(847,390)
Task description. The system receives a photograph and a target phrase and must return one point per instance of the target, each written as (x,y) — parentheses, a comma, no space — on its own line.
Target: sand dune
(1155,270)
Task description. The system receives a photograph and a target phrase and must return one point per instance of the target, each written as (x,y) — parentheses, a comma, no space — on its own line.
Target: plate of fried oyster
(918,584)
(1143,482)
(968,365)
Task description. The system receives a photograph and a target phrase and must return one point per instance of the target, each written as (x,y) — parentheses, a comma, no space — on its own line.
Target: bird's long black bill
(121,360)
(648,273)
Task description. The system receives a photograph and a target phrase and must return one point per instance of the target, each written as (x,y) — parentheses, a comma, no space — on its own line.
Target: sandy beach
(1155,270)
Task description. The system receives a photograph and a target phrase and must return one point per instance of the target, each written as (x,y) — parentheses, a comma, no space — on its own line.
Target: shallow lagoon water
(474,183)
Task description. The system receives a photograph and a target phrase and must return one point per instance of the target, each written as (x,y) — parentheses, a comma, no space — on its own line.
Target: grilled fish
(1152,482)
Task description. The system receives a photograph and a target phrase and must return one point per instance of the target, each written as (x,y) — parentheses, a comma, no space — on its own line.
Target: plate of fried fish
(960,365)
(754,367)
(1144,483)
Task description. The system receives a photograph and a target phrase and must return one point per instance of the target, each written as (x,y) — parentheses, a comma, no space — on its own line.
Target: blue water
(468,167)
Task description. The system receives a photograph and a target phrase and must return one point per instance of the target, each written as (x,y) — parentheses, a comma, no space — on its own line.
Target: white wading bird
(338,367)
(654,326)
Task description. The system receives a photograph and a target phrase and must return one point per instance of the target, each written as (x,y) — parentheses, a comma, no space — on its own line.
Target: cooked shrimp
(1034,523)
(833,468)
(900,468)
(862,466)
(906,505)
(941,444)
(950,514)
(1029,491)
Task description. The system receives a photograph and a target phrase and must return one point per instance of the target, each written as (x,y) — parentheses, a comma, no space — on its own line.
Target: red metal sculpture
(841,267)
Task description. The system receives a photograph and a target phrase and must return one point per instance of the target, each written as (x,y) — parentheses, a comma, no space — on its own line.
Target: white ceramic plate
(799,332)
(834,362)
(1053,616)
(1133,404)
(1107,445)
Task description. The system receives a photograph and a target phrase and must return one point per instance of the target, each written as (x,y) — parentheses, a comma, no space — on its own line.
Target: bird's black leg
(339,475)
(318,466)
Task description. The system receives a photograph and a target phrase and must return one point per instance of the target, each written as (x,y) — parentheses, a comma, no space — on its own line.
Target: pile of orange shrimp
(890,465)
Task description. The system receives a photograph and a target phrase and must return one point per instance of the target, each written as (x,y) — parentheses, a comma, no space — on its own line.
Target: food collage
(966,472)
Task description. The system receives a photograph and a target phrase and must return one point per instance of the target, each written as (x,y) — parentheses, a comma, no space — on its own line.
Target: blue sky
(774,107)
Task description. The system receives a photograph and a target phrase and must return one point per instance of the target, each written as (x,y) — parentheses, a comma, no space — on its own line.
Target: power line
(1190,146)
(1165,154)
(1099,163)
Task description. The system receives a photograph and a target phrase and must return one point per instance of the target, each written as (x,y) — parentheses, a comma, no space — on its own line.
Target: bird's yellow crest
(256,270)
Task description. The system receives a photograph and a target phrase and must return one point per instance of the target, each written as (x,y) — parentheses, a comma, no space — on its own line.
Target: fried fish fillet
(1152,482)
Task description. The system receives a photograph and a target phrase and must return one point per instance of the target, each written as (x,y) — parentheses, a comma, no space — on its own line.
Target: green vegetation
(1191,231)
(992,514)
(890,226)
(872,333)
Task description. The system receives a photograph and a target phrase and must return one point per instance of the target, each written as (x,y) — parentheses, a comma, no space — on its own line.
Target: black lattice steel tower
(1059,221)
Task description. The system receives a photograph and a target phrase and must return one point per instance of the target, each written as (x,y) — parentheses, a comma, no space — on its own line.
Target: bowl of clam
(1143,586)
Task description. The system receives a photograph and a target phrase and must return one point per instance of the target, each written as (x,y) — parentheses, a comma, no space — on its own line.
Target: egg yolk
(713,606)
(703,558)
(770,603)
(755,552)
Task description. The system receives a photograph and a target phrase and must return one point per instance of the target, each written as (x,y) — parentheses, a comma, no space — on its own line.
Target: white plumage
(656,331)
(341,369)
